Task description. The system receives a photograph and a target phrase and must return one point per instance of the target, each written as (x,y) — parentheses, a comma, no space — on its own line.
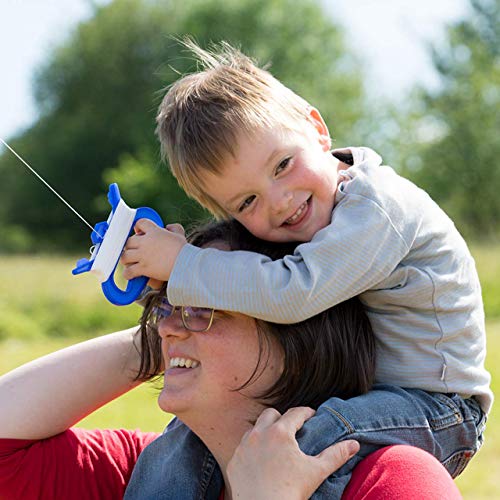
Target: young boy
(245,146)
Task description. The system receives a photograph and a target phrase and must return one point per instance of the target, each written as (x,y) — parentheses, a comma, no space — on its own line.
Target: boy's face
(280,184)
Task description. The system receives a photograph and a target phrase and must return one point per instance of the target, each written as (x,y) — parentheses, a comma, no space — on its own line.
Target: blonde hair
(203,113)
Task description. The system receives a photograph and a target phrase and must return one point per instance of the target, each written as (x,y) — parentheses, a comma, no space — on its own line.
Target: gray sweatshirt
(392,245)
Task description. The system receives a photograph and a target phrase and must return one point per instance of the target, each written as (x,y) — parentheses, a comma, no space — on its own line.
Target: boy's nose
(281,200)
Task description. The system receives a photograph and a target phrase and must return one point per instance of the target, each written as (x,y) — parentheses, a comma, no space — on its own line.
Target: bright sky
(388,34)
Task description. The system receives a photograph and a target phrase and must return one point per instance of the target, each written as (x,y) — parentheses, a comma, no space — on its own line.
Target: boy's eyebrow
(233,199)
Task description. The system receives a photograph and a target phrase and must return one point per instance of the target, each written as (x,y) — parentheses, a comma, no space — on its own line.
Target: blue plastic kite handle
(135,286)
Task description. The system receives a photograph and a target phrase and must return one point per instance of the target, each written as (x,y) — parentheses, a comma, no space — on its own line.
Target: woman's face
(221,360)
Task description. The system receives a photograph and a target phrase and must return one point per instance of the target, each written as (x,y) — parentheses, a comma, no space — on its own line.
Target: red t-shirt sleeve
(400,471)
(78,463)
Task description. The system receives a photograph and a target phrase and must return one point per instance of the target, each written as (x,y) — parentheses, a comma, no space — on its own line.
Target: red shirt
(78,463)
(96,465)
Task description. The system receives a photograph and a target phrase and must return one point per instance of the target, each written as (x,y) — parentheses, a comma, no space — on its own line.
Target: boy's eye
(282,166)
(246,203)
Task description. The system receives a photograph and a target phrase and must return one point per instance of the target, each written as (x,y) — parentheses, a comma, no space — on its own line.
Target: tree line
(97,94)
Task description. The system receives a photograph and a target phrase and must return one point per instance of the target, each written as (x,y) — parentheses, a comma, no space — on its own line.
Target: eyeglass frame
(163,299)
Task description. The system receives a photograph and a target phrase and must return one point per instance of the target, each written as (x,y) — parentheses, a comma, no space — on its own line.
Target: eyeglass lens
(197,319)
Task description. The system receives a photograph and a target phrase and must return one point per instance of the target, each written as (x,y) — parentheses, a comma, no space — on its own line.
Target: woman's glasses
(194,319)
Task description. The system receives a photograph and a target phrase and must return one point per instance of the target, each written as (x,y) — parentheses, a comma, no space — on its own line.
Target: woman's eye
(282,166)
(246,203)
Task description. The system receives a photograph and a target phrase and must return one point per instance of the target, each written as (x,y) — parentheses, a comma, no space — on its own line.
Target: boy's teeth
(183,363)
(297,214)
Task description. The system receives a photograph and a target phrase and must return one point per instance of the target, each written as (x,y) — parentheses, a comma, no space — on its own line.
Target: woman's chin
(169,403)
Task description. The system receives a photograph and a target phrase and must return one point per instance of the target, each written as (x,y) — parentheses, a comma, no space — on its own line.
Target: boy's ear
(319,124)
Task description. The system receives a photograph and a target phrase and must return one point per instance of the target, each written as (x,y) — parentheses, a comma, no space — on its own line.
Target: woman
(222,371)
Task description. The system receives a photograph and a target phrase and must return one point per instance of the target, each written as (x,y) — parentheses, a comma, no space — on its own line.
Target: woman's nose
(172,327)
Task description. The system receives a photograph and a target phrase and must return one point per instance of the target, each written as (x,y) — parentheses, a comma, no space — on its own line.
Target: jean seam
(458,461)
(206,474)
(447,421)
(350,428)
(353,430)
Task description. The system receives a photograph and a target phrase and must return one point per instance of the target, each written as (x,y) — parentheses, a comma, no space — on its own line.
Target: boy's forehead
(255,151)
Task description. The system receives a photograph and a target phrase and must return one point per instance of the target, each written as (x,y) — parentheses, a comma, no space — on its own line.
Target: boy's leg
(447,427)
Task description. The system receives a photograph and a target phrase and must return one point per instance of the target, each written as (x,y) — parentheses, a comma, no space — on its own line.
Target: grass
(479,480)
(44,308)
(40,298)
(135,410)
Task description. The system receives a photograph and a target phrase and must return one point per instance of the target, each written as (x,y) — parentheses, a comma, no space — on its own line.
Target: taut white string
(46,183)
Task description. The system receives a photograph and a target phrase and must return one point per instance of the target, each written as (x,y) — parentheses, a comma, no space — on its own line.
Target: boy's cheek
(257,227)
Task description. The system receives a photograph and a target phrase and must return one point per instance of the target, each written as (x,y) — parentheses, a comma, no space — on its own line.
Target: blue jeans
(445,425)
(177,465)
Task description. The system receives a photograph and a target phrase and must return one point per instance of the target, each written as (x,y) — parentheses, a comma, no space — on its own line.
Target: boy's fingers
(143,225)
(129,256)
(131,271)
(337,455)
(176,228)
(132,242)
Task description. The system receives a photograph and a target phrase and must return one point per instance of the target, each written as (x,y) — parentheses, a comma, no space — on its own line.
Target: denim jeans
(178,466)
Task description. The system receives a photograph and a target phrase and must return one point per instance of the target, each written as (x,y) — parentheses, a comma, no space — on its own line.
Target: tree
(455,129)
(98,92)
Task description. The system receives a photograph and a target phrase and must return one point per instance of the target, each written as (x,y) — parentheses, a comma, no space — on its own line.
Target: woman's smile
(183,363)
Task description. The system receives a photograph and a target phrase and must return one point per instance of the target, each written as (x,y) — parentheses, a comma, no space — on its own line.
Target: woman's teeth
(297,214)
(183,363)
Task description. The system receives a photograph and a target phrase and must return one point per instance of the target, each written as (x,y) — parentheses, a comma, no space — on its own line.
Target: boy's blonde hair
(202,115)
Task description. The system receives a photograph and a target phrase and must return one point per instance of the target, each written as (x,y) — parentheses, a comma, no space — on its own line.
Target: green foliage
(488,266)
(15,239)
(98,91)
(451,147)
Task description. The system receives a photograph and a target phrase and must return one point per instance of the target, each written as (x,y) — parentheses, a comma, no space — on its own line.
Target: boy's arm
(354,253)
(48,395)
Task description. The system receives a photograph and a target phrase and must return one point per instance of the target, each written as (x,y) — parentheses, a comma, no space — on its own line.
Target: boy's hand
(152,251)
(268,462)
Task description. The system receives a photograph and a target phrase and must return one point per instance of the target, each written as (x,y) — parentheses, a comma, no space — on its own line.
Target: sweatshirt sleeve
(77,463)
(360,248)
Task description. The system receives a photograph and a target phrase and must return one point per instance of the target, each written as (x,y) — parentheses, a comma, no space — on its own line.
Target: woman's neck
(221,434)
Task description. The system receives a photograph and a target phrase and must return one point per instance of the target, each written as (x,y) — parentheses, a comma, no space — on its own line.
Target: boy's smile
(280,184)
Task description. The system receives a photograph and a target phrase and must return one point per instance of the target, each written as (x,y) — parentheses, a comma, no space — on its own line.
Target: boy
(247,147)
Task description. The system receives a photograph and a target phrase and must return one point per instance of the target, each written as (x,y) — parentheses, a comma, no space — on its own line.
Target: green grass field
(44,308)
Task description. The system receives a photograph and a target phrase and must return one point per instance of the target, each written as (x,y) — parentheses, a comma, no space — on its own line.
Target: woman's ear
(319,124)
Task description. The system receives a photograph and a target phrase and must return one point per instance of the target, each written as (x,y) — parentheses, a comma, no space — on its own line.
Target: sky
(388,35)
